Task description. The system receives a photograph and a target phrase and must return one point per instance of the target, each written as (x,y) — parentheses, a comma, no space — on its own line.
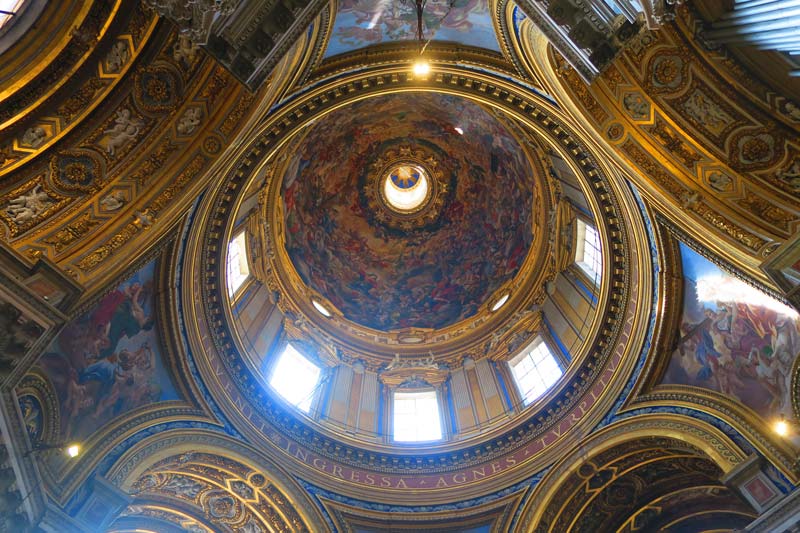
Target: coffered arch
(646,461)
(213,480)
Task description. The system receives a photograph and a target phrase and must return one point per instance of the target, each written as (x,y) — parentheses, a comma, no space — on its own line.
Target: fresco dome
(391,209)
(356,311)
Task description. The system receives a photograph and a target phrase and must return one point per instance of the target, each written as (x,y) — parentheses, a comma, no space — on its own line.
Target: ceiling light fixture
(72,449)
(421,66)
(782,427)
(501,302)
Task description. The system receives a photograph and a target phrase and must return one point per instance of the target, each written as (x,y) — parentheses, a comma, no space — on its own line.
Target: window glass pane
(535,371)
(9,6)
(238,269)
(295,378)
(416,416)
(588,254)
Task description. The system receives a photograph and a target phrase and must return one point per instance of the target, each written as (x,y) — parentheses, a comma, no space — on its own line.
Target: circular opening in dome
(501,302)
(405,187)
(321,308)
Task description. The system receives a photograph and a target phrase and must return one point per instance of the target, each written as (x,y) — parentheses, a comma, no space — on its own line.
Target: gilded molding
(754,428)
(698,437)
(294,439)
(75,108)
(749,216)
(143,456)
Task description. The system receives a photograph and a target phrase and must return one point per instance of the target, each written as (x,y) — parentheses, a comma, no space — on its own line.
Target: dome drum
(355,355)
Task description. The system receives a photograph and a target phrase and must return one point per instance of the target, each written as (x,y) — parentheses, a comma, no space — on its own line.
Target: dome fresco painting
(326,238)
(428,277)
(259,273)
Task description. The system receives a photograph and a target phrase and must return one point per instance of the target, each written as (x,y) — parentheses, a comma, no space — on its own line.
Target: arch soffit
(144,455)
(697,434)
(732,221)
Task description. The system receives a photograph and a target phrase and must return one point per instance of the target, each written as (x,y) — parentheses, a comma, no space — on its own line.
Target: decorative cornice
(754,428)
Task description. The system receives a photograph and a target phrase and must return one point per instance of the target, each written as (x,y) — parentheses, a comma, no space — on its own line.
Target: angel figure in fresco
(743,350)
(86,386)
(78,399)
(121,379)
(120,314)
(767,373)
(130,369)
(785,349)
(99,364)
(697,337)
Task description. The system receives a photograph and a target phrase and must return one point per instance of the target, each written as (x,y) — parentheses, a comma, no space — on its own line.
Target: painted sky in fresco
(361,23)
(734,339)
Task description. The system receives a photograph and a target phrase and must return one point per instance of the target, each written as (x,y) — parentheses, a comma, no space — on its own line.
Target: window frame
(241,232)
(582,267)
(525,354)
(313,396)
(439,415)
(12,14)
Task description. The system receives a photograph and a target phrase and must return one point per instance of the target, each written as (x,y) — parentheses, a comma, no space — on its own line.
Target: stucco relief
(636,105)
(720,181)
(125,129)
(33,137)
(77,80)
(117,57)
(80,171)
(189,120)
(113,201)
(791,174)
(667,71)
(26,206)
(793,111)
(29,205)
(704,110)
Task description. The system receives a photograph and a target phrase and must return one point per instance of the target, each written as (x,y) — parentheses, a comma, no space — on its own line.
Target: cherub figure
(26,207)
(125,129)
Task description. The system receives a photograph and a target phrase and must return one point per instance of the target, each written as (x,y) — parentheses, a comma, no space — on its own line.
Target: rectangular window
(588,254)
(416,416)
(238,270)
(295,378)
(535,370)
